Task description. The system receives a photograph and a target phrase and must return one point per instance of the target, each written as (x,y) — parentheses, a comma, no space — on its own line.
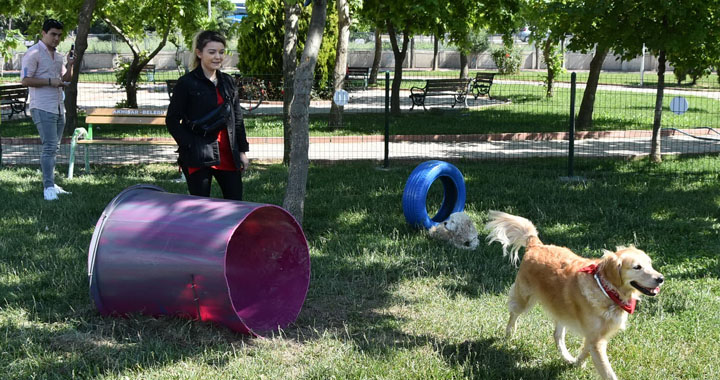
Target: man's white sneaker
(50,194)
(60,190)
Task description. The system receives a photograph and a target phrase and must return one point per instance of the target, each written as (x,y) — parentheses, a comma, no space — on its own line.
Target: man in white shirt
(46,76)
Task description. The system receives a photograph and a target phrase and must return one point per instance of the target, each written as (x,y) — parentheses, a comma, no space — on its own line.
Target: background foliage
(260,39)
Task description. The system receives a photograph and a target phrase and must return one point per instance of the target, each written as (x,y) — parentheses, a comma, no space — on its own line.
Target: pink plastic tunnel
(240,264)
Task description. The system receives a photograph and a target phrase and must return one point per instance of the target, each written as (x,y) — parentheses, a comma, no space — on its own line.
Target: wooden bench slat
(457,88)
(16,96)
(121,116)
(142,120)
(13,92)
(356,72)
(126,112)
(127,142)
(482,83)
(126,120)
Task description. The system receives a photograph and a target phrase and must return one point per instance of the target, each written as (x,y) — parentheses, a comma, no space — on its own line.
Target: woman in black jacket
(205,119)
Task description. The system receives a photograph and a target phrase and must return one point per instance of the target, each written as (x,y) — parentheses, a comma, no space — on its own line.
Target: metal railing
(518,120)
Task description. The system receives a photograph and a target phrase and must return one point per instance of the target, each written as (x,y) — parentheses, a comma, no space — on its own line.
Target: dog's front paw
(579,361)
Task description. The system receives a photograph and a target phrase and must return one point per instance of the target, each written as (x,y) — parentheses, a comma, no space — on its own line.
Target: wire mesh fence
(433,115)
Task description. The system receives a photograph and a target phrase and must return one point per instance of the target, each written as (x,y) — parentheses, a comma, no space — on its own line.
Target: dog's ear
(607,253)
(610,267)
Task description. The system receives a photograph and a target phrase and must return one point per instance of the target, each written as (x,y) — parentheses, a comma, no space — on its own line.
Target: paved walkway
(509,146)
(500,146)
(155,96)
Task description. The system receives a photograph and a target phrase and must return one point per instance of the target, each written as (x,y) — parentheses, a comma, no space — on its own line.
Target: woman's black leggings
(230,182)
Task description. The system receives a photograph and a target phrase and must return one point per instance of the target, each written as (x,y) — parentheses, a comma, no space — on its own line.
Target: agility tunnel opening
(239,264)
(415,194)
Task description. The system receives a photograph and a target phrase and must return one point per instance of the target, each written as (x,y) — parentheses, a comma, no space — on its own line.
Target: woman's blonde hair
(201,39)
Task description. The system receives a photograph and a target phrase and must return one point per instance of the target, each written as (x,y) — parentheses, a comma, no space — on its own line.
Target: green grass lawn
(385,301)
(527,110)
(632,79)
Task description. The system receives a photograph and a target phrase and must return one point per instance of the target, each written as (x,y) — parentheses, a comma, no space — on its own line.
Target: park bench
(170,83)
(481,84)
(455,88)
(149,71)
(359,73)
(117,116)
(14,95)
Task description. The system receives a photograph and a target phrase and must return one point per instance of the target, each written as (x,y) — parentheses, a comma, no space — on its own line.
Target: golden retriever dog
(592,297)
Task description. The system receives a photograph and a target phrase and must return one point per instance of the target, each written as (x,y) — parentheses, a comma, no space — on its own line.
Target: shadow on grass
(489,359)
(108,346)
(362,250)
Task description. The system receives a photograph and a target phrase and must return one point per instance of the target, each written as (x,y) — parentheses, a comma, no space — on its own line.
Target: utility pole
(209,10)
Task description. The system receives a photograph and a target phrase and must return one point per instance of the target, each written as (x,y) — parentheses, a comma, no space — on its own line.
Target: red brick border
(523,136)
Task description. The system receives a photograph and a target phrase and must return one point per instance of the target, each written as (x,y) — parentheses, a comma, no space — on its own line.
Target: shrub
(261,37)
(681,73)
(507,59)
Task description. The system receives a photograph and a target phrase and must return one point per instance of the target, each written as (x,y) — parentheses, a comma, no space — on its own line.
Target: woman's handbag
(213,122)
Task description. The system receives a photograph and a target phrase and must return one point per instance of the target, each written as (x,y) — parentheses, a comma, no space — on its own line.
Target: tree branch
(168,26)
(120,33)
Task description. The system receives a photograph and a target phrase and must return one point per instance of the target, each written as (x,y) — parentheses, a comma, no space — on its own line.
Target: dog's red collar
(609,291)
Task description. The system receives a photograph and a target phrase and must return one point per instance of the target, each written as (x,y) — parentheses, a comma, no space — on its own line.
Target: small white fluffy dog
(592,297)
(458,229)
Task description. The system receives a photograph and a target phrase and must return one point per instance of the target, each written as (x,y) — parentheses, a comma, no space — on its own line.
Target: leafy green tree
(293,10)
(32,13)
(674,31)
(696,63)
(294,200)
(553,61)
(475,42)
(593,24)
(11,40)
(467,20)
(271,39)
(133,19)
(360,22)
(73,13)
(85,16)
(543,20)
(341,52)
(402,19)
(261,38)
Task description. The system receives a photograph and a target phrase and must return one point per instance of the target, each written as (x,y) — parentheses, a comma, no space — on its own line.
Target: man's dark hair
(51,24)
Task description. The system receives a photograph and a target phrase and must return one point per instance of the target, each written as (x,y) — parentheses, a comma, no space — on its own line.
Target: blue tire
(417,187)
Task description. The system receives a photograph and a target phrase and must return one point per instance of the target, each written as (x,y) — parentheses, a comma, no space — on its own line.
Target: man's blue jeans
(50,126)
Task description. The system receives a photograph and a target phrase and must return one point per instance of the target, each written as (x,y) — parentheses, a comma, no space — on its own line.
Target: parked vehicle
(523,34)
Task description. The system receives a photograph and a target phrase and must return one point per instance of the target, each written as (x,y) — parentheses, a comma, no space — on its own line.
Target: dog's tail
(510,231)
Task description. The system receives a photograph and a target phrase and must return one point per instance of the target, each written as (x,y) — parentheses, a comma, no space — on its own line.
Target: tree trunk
(294,201)
(292,14)
(547,52)
(343,8)
(138,63)
(463,65)
(655,146)
(584,120)
(399,55)
(83,28)
(131,86)
(376,57)
(436,47)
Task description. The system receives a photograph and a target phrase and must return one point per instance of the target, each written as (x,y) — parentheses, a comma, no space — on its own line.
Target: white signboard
(679,105)
(341,97)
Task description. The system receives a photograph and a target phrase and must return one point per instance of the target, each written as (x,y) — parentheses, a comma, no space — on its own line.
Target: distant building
(240,11)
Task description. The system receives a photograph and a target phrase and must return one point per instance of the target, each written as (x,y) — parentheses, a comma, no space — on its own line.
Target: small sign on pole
(679,105)
(341,97)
